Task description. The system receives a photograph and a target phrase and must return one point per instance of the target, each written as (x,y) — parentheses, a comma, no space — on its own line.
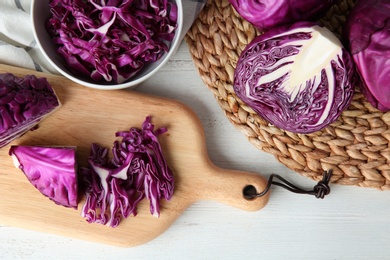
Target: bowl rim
(175,43)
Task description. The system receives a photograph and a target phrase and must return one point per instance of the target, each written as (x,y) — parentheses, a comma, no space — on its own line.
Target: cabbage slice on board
(52,170)
(24,102)
(298,77)
(367,34)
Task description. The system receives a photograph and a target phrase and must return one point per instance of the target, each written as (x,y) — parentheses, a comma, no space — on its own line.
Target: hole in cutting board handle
(249,192)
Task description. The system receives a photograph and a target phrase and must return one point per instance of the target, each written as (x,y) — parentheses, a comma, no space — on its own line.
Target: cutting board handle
(227,186)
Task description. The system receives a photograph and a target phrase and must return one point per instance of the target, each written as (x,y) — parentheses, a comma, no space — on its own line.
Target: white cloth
(17,44)
(19,48)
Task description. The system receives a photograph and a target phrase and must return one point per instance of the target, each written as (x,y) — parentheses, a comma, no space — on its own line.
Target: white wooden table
(352,222)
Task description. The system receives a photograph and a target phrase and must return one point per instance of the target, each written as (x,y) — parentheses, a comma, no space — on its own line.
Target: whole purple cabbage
(24,102)
(367,33)
(52,170)
(298,77)
(111,40)
(266,14)
(137,170)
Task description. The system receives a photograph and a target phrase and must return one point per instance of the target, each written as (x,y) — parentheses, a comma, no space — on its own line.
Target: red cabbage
(24,102)
(137,170)
(298,77)
(367,34)
(111,40)
(266,14)
(52,170)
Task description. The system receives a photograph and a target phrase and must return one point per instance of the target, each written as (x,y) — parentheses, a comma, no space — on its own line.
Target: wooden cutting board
(89,115)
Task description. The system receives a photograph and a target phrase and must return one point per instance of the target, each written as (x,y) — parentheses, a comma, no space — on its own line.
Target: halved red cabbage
(266,14)
(367,34)
(137,170)
(52,170)
(24,102)
(298,77)
(111,40)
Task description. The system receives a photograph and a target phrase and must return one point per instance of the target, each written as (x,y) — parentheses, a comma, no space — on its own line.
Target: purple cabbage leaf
(367,33)
(266,14)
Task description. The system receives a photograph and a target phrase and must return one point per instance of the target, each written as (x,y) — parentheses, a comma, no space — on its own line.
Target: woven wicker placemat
(355,147)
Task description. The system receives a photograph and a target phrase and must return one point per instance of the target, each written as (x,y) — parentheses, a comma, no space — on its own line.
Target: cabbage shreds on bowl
(24,102)
(52,170)
(110,41)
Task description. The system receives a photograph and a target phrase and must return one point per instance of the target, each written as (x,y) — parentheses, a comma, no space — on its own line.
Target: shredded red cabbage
(111,40)
(137,170)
